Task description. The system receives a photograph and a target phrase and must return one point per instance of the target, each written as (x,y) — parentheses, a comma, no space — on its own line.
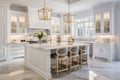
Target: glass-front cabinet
(18,22)
(103,22)
(106,22)
(98,23)
(13,24)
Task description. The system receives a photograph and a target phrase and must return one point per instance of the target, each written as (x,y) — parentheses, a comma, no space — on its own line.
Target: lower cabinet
(103,51)
(15,51)
(2,54)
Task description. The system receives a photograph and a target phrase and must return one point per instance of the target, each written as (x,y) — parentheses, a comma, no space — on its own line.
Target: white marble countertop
(49,46)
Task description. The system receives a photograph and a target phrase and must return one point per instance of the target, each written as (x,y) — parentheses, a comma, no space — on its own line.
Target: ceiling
(59,6)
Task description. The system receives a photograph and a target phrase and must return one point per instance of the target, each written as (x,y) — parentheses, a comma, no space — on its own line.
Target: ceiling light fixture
(68,18)
(44,13)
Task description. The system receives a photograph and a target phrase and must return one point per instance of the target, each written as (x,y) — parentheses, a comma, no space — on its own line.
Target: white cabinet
(18,22)
(103,51)
(104,19)
(34,21)
(3,33)
(3,22)
(103,23)
(15,51)
(2,54)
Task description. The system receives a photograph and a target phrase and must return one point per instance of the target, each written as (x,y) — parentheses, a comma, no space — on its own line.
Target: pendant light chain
(44,4)
(68,6)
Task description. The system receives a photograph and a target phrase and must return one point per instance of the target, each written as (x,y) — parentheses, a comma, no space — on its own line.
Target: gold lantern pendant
(44,13)
(68,18)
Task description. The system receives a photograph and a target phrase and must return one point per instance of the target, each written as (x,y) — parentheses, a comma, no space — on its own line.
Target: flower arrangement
(40,34)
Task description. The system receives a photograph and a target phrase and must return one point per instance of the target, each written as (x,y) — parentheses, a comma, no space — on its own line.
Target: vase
(40,41)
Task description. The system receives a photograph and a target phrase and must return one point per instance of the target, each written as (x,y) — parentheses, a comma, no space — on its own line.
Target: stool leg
(57,68)
(78,61)
(70,62)
(87,59)
(81,60)
(67,65)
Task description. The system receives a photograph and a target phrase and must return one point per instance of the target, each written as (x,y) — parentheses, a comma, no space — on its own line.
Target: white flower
(40,34)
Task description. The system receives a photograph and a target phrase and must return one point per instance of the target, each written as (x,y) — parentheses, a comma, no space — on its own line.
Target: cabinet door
(18,22)
(98,22)
(16,51)
(103,22)
(2,54)
(2,25)
(96,50)
(106,22)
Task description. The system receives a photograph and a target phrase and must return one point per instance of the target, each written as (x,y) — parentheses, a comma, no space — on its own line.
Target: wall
(117,30)
(84,13)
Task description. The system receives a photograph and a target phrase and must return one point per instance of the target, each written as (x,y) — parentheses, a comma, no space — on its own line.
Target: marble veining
(97,70)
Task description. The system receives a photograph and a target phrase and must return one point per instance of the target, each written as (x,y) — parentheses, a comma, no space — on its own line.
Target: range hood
(32,30)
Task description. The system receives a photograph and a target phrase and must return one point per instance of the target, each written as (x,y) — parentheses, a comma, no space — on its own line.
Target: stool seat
(73,55)
(55,56)
(53,51)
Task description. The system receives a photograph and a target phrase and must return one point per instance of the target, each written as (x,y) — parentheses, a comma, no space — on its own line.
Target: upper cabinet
(34,21)
(18,22)
(102,23)
(104,19)
(98,23)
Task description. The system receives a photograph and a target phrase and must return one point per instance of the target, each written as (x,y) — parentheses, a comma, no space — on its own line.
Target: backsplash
(16,38)
(108,39)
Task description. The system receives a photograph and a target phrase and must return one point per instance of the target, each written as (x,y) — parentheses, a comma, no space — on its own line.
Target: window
(67,28)
(85,27)
(55,25)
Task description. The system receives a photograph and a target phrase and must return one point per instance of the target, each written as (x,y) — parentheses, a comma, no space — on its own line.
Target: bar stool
(83,55)
(61,59)
(74,57)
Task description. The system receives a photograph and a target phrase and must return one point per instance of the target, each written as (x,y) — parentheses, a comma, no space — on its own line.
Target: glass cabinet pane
(18,24)
(98,23)
(21,24)
(13,24)
(106,22)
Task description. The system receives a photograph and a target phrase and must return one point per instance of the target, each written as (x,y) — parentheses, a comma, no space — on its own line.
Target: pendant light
(68,18)
(44,13)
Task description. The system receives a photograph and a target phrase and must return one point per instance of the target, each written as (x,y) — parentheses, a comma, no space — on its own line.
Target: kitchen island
(38,57)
